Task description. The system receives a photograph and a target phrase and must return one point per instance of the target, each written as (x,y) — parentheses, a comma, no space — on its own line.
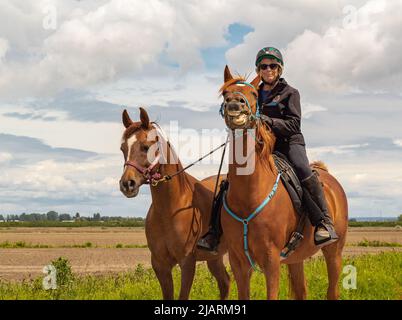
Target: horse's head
(239,107)
(137,141)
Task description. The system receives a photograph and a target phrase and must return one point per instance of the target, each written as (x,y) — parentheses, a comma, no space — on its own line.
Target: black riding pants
(296,153)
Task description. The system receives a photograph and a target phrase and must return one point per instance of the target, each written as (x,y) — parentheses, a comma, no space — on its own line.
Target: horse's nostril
(131,183)
(128,184)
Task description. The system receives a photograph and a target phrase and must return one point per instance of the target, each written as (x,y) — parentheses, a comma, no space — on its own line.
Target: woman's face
(269,75)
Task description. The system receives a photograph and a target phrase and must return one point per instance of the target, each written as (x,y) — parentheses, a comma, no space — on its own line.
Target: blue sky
(65,79)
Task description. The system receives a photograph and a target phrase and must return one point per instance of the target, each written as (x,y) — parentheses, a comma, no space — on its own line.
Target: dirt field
(25,263)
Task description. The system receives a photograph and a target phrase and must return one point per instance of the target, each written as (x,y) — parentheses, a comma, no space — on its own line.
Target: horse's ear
(227,75)
(144,118)
(126,119)
(256,82)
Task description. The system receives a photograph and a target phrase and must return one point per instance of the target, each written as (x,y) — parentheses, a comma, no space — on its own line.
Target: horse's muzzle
(236,116)
(129,188)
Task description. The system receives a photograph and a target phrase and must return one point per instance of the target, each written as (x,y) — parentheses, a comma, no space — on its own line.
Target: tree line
(55,216)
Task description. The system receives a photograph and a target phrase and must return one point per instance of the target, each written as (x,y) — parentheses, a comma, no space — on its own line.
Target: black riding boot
(210,240)
(314,199)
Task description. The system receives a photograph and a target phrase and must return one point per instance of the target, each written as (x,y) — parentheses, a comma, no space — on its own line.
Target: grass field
(378,277)
(114,263)
(140,222)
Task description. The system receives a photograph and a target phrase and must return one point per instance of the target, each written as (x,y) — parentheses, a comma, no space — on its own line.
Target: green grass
(374,223)
(378,277)
(376,243)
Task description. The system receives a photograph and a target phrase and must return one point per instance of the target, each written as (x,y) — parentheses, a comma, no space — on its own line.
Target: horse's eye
(242,100)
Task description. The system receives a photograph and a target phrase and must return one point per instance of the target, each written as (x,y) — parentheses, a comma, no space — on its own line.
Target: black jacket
(283,106)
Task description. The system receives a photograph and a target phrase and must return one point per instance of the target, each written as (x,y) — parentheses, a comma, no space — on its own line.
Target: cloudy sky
(68,69)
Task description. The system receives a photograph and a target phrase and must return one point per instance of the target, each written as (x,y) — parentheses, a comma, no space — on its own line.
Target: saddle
(295,191)
(290,180)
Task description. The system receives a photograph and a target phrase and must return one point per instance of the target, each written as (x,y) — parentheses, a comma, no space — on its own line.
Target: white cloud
(308,109)
(363,55)
(64,180)
(97,42)
(3,48)
(356,50)
(398,142)
(5,157)
(96,137)
(319,152)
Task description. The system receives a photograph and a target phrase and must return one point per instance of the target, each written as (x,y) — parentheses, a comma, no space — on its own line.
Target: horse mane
(265,149)
(319,165)
(169,153)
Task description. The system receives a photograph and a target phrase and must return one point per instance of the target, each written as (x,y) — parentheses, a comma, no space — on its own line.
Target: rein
(155,178)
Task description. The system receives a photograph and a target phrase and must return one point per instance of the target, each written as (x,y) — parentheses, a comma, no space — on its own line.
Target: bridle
(251,116)
(150,177)
(154,178)
(257,116)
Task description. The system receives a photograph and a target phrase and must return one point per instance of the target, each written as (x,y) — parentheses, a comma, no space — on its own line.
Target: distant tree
(64,217)
(12,217)
(97,216)
(52,216)
(400,217)
(352,220)
(77,216)
(1,217)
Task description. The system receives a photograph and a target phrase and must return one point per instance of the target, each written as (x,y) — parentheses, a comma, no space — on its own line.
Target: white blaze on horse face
(130,144)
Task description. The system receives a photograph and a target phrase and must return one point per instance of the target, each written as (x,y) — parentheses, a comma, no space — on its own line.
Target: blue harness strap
(246,221)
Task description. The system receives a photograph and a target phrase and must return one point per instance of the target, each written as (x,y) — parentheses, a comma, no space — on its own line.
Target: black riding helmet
(270,53)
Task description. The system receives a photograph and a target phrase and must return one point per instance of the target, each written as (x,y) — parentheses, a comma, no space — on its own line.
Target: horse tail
(319,165)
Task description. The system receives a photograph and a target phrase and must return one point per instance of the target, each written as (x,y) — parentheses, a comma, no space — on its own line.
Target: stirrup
(332,237)
(290,247)
(203,244)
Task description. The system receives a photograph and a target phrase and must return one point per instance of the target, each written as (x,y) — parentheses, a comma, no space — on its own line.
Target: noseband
(251,115)
(151,178)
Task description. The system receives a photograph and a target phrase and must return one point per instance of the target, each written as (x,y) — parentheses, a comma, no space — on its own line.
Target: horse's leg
(297,281)
(333,258)
(187,276)
(242,272)
(218,270)
(272,269)
(163,270)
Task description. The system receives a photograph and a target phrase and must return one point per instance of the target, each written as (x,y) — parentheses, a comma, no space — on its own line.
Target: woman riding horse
(280,108)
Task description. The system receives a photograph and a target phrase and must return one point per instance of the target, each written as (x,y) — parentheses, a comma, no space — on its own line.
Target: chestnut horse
(180,209)
(270,229)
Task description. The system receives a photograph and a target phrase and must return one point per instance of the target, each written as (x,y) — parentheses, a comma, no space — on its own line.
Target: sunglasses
(272,66)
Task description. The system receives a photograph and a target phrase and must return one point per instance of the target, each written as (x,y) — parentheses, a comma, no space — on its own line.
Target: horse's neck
(169,195)
(251,189)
